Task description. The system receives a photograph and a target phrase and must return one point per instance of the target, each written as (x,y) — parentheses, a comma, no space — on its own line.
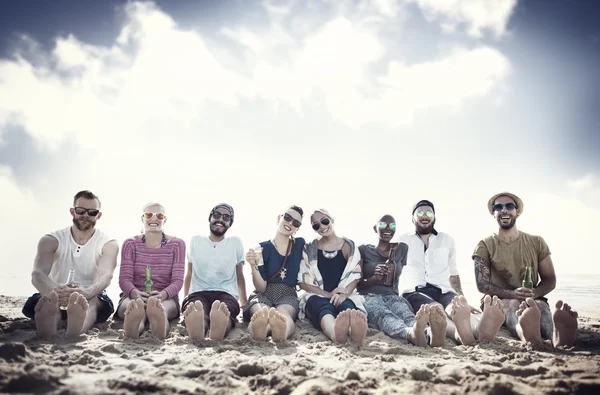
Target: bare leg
(510,312)
(195,320)
(76,313)
(219,320)
(528,327)
(491,319)
(565,325)
(47,315)
(416,334)
(157,316)
(259,323)
(437,322)
(135,318)
(358,327)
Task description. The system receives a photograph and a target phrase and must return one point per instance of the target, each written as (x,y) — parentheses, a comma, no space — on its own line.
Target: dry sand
(102,362)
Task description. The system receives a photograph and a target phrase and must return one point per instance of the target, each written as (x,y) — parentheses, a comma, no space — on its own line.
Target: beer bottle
(69,283)
(148,285)
(388,279)
(527,282)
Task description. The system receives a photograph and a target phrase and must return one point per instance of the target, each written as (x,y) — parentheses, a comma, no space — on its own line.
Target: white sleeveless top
(83,258)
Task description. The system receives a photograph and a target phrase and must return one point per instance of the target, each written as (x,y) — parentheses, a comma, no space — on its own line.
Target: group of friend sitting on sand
(410,289)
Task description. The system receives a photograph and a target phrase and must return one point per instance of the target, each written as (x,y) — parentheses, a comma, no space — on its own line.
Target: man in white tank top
(91,254)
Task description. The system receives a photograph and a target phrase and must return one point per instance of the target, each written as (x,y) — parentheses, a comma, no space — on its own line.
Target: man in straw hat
(501,263)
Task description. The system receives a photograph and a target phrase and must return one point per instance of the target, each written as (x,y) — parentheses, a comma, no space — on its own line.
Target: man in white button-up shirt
(431,277)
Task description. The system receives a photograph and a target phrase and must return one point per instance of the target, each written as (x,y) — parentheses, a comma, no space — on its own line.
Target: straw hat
(510,195)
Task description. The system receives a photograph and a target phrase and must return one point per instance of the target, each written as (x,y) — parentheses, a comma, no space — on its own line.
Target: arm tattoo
(455,283)
(482,279)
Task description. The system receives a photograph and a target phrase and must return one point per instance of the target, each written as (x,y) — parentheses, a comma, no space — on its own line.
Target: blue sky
(362,108)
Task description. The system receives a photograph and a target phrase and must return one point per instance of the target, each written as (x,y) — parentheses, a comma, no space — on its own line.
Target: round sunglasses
(383,225)
(324,221)
(92,212)
(421,213)
(159,216)
(218,215)
(289,219)
(508,206)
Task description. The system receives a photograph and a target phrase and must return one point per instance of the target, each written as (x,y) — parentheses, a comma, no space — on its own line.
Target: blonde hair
(153,204)
(322,211)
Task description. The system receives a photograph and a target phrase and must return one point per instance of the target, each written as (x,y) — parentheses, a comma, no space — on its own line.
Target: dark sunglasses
(383,225)
(507,206)
(159,216)
(291,220)
(325,221)
(218,215)
(92,212)
(421,213)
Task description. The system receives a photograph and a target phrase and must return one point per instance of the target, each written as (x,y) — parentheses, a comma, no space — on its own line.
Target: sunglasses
(507,206)
(383,225)
(421,213)
(159,216)
(218,215)
(92,212)
(325,221)
(291,220)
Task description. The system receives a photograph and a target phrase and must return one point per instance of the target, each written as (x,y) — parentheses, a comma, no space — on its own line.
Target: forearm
(186,284)
(260,284)
(42,282)
(314,289)
(352,286)
(544,287)
(367,282)
(242,292)
(456,285)
(484,285)
(101,282)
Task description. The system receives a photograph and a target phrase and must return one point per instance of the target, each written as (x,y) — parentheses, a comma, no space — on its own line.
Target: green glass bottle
(148,285)
(527,282)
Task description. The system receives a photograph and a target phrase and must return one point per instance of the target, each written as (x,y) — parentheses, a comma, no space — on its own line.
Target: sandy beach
(103,362)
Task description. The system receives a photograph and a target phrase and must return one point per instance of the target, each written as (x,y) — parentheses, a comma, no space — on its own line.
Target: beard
(507,226)
(218,232)
(425,229)
(83,224)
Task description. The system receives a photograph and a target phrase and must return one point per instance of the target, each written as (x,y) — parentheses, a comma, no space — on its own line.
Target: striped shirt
(167,264)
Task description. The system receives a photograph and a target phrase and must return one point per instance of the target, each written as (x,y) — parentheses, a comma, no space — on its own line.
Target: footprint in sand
(416,334)
(341,327)
(194,320)
(565,325)
(46,315)
(278,325)
(437,323)
(157,317)
(528,325)
(258,324)
(492,318)
(219,320)
(461,316)
(358,327)
(134,314)
(76,311)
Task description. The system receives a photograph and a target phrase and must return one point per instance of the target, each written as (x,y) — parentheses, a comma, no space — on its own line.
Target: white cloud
(478,15)
(585,189)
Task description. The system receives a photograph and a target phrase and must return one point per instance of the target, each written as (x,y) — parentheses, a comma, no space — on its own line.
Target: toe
(558,304)
(215,305)
(487,300)
(73,297)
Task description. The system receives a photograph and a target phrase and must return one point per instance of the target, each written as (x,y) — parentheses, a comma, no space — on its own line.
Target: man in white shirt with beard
(431,277)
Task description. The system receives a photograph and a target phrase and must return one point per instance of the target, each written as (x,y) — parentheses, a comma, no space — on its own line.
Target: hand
(474,310)
(251,257)
(340,290)
(162,295)
(137,294)
(87,292)
(63,292)
(523,293)
(338,299)
(380,272)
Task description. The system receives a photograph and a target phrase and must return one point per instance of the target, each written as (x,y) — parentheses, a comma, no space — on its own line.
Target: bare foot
(565,325)
(76,312)
(157,316)
(437,322)
(134,314)
(528,325)
(461,316)
(194,320)
(416,334)
(259,324)
(47,315)
(219,320)
(492,318)
(278,325)
(358,327)
(341,327)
